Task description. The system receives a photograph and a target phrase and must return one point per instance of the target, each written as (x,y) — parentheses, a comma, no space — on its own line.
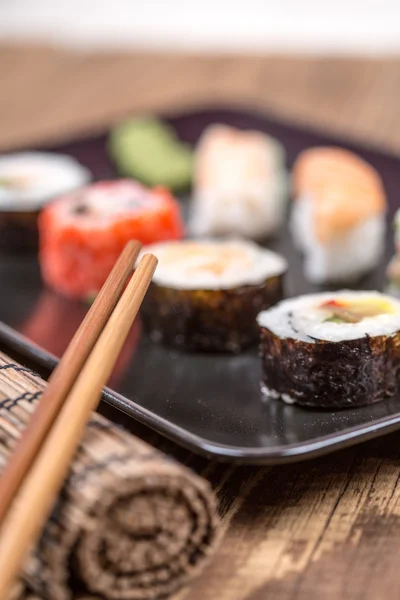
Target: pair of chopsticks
(38,466)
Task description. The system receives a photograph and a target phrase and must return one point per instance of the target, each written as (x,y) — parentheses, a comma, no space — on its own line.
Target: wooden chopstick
(64,376)
(36,495)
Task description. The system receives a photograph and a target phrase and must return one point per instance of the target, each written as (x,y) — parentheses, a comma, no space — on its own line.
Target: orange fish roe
(82,234)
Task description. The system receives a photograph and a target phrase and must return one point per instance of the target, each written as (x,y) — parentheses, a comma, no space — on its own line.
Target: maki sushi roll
(338,216)
(83,233)
(206,294)
(240,184)
(331,350)
(28,180)
(393,269)
(148,150)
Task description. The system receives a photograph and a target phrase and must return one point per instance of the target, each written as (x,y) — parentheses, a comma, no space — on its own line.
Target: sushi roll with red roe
(83,233)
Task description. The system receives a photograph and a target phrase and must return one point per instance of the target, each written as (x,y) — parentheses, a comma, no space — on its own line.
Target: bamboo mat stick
(155,521)
(65,374)
(36,496)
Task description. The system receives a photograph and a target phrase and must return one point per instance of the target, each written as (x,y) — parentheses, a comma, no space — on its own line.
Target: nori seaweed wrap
(206,295)
(331,350)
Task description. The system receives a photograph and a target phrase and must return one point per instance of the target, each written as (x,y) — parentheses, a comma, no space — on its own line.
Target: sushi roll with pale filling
(240,184)
(205,295)
(331,350)
(28,181)
(338,216)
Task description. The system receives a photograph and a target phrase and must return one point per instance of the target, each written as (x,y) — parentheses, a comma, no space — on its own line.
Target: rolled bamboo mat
(130,523)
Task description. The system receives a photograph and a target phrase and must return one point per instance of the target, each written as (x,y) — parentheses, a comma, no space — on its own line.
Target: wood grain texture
(325,529)
(47,93)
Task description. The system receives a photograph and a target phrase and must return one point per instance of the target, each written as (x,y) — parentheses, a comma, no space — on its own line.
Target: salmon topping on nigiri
(344,189)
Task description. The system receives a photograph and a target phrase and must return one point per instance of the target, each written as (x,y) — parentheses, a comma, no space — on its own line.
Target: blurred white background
(336,27)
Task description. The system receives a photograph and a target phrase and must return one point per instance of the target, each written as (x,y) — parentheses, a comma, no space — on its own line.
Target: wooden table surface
(324,529)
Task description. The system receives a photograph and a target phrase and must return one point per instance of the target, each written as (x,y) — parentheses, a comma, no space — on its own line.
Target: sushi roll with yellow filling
(205,295)
(240,184)
(28,181)
(338,216)
(332,350)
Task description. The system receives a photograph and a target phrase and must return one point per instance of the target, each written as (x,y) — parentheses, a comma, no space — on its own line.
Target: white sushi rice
(248,211)
(346,257)
(303,318)
(214,264)
(268,392)
(28,180)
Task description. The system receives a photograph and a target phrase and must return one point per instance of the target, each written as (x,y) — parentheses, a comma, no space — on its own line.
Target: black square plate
(209,403)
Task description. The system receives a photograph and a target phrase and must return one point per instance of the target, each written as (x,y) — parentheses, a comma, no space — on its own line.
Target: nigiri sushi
(205,294)
(338,216)
(331,350)
(240,184)
(28,181)
(82,234)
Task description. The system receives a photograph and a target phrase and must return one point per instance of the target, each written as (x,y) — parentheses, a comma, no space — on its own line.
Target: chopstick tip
(148,262)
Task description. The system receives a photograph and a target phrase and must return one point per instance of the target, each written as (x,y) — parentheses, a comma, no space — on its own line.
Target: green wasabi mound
(148,150)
